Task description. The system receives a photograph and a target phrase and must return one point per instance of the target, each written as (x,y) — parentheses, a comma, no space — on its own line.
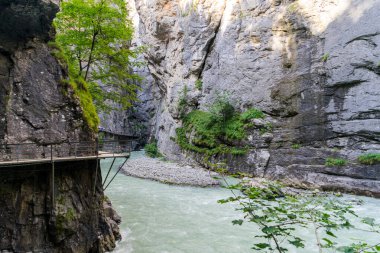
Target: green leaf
(368,221)
(329,243)
(262,245)
(298,242)
(237,222)
(330,233)
(346,249)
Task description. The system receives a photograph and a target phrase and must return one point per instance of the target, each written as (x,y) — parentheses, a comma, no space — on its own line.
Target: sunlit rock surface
(311,66)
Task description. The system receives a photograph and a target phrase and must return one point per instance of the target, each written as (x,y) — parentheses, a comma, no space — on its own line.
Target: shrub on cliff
(221,110)
(216,131)
(151,150)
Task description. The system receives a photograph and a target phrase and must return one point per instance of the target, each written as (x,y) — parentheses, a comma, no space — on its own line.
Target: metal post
(117,172)
(52,177)
(97,163)
(109,170)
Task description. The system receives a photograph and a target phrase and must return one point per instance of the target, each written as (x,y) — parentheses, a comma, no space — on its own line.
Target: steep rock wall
(77,221)
(36,108)
(311,66)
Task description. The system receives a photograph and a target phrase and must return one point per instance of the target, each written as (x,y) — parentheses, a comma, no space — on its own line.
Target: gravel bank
(169,172)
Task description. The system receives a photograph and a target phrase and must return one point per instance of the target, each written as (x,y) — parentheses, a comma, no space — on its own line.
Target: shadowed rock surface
(78,221)
(35,107)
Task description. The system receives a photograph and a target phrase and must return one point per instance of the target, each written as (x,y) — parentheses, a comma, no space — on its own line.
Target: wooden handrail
(53,151)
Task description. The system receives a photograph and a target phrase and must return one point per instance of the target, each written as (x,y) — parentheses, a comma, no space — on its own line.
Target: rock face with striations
(35,108)
(312,66)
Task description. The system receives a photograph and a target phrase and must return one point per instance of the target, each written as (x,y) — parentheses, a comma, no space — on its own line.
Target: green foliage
(151,150)
(81,91)
(330,162)
(213,132)
(198,84)
(61,200)
(206,127)
(267,128)
(369,159)
(94,38)
(59,54)
(296,146)
(252,114)
(234,129)
(325,57)
(70,214)
(279,216)
(182,102)
(360,247)
(222,110)
(63,220)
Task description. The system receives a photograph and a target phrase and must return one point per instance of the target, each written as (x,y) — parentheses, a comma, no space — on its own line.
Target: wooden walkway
(26,154)
(33,153)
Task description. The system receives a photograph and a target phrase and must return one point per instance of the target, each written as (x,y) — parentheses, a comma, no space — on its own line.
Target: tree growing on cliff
(95,36)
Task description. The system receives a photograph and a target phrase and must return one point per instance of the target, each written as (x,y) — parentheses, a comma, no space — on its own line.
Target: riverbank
(168,172)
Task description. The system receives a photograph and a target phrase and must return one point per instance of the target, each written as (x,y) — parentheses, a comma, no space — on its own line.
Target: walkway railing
(33,152)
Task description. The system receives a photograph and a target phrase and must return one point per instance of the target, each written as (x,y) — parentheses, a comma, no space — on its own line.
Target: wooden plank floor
(102,155)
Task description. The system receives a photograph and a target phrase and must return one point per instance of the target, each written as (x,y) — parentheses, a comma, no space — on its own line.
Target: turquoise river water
(160,218)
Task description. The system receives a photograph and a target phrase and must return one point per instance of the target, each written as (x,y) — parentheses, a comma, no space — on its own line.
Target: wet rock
(110,212)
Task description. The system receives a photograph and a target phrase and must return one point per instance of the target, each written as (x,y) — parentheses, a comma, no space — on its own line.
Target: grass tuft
(198,84)
(296,146)
(331,162)
(369,159)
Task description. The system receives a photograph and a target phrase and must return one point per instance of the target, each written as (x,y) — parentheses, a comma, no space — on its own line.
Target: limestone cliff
(35,107)
(312,66)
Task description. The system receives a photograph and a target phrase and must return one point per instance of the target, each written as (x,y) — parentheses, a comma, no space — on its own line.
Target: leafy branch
(279,215)
(95,38)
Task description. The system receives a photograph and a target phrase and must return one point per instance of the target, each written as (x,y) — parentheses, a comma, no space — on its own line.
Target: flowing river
(161,218)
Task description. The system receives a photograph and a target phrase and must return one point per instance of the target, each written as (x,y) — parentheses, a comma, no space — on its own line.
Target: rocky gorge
(302,77)
(312,67)
(36,108)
